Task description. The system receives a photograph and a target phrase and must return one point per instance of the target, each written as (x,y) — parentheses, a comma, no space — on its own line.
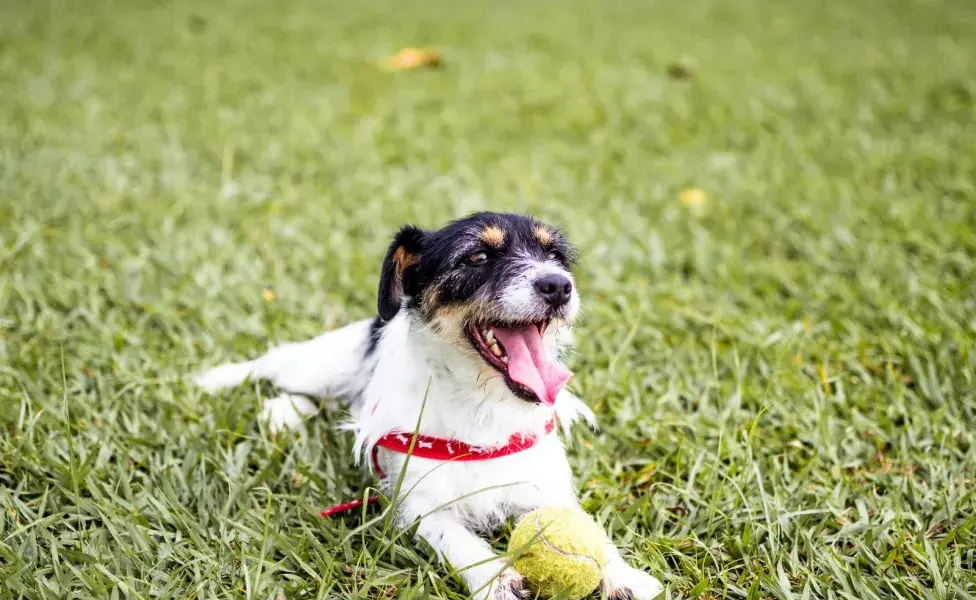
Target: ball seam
(545,542)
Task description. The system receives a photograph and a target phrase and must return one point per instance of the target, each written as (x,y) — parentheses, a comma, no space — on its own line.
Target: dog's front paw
(510,585)
(623,582)
(287,411)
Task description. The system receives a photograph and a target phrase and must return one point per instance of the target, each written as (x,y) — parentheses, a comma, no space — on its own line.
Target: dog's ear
(397,278)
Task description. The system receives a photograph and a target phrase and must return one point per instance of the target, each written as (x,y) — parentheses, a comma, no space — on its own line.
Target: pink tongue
(530,364)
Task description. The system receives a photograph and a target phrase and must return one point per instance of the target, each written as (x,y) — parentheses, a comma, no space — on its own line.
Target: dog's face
(495,282)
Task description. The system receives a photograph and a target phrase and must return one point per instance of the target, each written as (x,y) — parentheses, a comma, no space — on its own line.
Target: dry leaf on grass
(693,197)
(413,58)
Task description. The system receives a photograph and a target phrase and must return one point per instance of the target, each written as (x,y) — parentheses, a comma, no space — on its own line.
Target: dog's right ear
(398,276)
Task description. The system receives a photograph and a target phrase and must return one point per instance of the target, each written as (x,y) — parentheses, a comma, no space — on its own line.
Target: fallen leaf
(693,197)
(269,295)
(413,58)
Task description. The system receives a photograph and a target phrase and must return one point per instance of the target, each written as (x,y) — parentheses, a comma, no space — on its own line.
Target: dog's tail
(330,365)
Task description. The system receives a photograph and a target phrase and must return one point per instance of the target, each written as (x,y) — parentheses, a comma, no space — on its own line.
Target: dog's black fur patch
(397,278)
(375,331)
(467,260)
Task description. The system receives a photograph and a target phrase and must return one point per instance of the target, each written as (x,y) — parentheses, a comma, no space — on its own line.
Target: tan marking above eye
(493,235)
(543,235)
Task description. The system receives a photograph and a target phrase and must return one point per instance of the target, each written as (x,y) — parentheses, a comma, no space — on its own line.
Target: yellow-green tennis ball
(559,550)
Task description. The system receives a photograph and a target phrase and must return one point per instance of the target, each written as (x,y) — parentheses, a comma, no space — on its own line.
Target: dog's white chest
(487,491)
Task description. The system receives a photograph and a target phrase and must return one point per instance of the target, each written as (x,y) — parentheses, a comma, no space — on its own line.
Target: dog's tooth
(489,335)
(496,350)
(504,359)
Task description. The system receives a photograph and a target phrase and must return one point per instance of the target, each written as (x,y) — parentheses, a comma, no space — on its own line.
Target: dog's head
(499,284)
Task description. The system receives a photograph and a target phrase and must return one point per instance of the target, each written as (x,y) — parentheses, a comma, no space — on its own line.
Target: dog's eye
(477,258)
(554,255)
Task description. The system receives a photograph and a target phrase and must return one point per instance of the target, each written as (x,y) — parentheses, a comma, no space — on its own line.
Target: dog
(472,319)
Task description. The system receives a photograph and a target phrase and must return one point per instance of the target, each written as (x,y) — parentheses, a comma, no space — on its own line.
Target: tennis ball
(559,550)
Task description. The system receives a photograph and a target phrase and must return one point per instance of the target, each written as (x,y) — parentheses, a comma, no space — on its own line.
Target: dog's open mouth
(517,352)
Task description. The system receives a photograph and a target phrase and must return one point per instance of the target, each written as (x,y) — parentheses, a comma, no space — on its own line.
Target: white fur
(287,411)
(619,578)
(520,296)
(417,373)
(323,366)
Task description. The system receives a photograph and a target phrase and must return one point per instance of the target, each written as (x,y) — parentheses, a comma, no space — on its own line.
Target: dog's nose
(554,289)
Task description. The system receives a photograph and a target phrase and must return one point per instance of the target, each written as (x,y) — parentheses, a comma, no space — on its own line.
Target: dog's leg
(623,582)
(484,572)
(323,366)
(287,411)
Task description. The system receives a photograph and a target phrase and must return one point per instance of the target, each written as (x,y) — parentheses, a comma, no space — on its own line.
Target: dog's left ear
(398,277)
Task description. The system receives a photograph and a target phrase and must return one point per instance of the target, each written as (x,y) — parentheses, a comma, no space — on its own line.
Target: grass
(784,373)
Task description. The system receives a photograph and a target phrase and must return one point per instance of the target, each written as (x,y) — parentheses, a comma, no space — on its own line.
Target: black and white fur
(434,288)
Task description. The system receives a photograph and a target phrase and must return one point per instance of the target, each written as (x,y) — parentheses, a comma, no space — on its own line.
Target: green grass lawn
(785,373)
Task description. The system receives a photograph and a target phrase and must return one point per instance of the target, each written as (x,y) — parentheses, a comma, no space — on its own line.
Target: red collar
(440,449)
(434,448)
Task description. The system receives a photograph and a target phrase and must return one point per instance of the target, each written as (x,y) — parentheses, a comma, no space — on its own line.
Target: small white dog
(472,319)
